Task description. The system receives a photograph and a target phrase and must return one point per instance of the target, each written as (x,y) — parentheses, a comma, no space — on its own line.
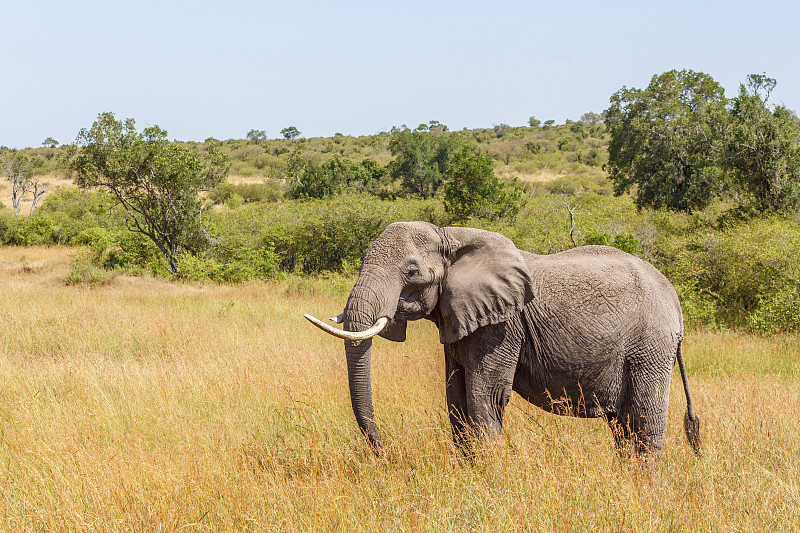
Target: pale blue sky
(218,69)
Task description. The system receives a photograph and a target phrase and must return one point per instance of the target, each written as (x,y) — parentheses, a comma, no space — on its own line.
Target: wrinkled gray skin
(592,331)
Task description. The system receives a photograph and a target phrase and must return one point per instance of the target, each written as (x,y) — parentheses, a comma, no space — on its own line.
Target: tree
(157,182)
(332,176)
(591,118)
(435,125)
(318,180)
(50,142)
(256,136)
(763,147)
(534,122)
(290,133)
(18,170)
(501,130)
(665,140)
(421,159)
(473,190)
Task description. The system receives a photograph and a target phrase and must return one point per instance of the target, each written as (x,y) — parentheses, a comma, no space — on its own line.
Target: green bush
(621,241)
(132,251)
(244,265)
(72,211)
(334,175)
(750,271)
(778,312)
(95,238)
(84,271)
(472,189)
(333,235)
(314,236)
(38,229)
(121,250)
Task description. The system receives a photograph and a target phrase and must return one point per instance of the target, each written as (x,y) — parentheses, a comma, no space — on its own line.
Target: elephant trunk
(367,303)
(359,375)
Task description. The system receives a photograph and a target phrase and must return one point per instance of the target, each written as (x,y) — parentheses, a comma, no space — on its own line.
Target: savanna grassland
(151,405)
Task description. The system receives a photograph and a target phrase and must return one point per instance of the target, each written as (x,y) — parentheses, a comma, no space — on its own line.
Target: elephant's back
(605,288)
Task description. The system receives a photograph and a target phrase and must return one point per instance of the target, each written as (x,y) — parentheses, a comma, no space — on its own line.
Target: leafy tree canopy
(591,118)
(156,182)
(256,136)
(473,190)
(762,153)
(290,133)
(665,140)
(422,158)
(680,143)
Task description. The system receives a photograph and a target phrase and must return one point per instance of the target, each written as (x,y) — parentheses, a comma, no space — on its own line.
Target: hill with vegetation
(721,223)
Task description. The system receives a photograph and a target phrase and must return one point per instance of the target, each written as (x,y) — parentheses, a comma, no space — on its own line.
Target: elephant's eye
(412,270)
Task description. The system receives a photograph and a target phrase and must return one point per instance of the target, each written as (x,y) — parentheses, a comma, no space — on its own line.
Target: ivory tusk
(338,318)
(350,335)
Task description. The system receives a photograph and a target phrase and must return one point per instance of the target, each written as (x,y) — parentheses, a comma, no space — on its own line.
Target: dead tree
(39,189)
(18,170)
(572,210)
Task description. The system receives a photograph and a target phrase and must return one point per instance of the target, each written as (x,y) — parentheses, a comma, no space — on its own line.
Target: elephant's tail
(691,422)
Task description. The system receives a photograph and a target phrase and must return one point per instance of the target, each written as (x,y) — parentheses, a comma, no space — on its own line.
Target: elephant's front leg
(456,392)
(488,359)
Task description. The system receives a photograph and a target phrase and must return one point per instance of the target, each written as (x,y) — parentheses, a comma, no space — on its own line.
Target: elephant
(590,331)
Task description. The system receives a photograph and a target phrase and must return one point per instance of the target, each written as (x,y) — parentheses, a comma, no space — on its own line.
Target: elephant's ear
(487,282)
(395,330)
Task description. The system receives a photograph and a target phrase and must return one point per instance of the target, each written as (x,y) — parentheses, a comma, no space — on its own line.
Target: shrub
(333,235)
(38,229)
(317,235)
(84,271)
(121,250)
(133,251)
(778,312)
(244,265)
(750,271)
(72,211)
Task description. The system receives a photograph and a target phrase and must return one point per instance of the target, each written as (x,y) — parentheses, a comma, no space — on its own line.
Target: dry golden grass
(151,406)
(243,180)
(541,176)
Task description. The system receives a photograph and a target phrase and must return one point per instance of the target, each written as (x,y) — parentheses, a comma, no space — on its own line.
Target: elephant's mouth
(411,309)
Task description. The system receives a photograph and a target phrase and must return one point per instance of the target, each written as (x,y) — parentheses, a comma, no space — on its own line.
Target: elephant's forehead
(403,238)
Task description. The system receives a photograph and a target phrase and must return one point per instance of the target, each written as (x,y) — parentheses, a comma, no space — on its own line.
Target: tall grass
(143,405)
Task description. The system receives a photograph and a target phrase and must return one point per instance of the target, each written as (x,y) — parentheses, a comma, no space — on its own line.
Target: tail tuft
(692,427)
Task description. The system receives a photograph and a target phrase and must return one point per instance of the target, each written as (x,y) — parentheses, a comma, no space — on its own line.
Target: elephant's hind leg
(620,432)
(635,436)
(640,422)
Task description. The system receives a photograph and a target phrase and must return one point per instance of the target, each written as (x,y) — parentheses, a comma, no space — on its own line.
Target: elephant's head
(460,278)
